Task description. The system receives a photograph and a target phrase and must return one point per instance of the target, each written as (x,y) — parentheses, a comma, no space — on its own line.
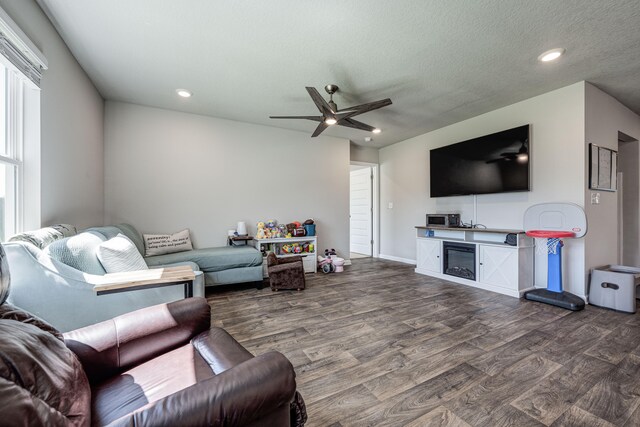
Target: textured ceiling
(439,61)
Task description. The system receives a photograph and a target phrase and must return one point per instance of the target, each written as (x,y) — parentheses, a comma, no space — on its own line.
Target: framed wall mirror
(603,168)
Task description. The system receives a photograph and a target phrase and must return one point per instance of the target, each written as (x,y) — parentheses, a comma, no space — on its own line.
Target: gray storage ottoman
(614,287)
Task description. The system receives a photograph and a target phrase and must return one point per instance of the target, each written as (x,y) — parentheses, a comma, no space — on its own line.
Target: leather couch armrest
(9,312)
(248,392)
(108,347)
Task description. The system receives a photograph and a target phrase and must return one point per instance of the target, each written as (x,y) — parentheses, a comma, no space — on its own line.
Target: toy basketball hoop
(548,223)
(547,242)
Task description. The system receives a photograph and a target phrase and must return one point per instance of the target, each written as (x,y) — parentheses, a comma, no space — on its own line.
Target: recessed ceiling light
(184,93)
(330,121)
(551,55)
(376,130)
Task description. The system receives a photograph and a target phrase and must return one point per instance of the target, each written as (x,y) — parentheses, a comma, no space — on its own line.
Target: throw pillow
(160,244)
(120,254)
(45,236)
(78,251)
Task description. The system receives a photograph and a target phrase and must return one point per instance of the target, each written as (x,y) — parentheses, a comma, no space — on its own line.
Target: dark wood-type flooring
(380,345)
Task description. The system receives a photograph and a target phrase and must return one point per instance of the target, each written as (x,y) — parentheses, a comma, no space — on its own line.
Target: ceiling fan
(331,115)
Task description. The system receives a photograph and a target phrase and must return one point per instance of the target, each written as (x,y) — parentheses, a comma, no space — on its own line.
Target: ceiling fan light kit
(331,115)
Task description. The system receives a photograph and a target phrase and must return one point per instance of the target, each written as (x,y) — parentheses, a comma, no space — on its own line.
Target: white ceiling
(439,61)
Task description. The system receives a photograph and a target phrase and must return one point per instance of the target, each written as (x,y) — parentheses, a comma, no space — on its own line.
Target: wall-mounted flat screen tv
(495,163)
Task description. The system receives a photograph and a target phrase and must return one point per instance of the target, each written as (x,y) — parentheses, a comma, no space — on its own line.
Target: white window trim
(23,57)
(23,129)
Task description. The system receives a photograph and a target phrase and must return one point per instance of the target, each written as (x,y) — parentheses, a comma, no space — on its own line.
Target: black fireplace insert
(459,260)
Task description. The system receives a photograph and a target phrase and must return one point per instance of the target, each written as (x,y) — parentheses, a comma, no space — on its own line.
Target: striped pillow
(120,254)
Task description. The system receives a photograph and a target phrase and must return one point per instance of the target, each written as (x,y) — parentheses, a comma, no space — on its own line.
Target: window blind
(19,50)
(9,51)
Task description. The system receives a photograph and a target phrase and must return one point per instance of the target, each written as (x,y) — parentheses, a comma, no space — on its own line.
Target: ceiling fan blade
(322,105)
(321,127)
(314,118)
(363,108)
(351,123)
(504,157)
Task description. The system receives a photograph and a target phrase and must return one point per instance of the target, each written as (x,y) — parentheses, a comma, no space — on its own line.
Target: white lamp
(241,229)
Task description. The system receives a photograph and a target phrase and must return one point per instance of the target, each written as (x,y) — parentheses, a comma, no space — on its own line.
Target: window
(21,65)
(11,167)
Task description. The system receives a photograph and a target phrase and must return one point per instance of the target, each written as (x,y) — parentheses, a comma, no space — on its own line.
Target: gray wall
(557,150)
(605,117)
(165,171)
(72,112)
(364,154)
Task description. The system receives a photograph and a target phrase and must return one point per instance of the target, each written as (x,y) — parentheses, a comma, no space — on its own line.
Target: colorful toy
(329,252)
(287,249)
(326,264)
(260,234)
(328,268)
(272,223)
(309,227)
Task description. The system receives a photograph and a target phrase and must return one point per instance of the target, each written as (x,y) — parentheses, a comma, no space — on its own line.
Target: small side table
(145,279)
(239,240)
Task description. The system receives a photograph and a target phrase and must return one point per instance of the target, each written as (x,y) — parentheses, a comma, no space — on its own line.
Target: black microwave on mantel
(443,220)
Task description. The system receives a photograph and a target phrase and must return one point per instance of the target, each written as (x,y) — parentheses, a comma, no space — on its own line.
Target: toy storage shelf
(309,259)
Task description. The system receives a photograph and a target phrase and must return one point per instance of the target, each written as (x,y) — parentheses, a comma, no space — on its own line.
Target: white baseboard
(347,262)
(398,259)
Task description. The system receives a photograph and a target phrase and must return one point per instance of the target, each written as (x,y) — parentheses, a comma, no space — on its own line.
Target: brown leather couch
(159,366)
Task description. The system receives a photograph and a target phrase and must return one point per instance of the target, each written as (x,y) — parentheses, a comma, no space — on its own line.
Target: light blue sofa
(221,266)
(53,278)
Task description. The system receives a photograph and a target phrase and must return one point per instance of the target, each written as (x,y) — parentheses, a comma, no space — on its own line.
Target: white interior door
(361,211)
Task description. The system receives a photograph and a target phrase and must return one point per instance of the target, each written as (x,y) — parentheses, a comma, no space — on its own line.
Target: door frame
(375,206)
(620,194)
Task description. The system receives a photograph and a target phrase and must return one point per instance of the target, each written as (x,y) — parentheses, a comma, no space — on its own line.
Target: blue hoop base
(554,269)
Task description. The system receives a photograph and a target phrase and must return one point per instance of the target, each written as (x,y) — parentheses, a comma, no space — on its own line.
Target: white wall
(165,171)
(605,117)
(557,151)
(72,178)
